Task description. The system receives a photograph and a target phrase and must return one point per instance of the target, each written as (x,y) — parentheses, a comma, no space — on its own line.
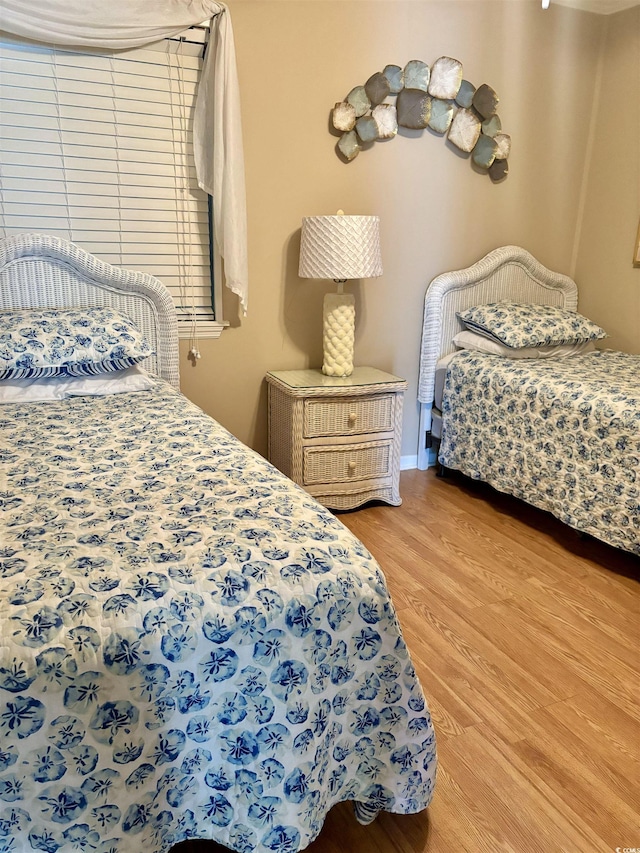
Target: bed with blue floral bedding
(191,646)
(562,434)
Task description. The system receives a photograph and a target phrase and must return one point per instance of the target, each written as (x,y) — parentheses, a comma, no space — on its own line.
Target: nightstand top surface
(315,378)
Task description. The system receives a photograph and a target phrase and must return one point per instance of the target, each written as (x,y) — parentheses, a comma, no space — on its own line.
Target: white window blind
(97,148)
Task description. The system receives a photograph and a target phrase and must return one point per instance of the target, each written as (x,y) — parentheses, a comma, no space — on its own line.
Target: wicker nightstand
(338,438)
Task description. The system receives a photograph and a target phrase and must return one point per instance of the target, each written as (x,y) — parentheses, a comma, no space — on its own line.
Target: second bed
(559,429)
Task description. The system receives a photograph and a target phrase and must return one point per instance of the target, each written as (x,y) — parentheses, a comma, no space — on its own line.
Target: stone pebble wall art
(435,97)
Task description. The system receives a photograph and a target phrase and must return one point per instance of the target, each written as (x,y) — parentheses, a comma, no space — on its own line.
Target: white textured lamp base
(339,325)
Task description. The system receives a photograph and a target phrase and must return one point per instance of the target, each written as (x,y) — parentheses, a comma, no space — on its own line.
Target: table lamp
(339,247)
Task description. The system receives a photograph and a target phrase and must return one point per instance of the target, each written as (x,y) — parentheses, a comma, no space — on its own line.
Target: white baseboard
(408,462)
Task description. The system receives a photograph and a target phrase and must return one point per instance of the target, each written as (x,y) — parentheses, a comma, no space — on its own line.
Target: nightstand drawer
(349,416)
(347,463)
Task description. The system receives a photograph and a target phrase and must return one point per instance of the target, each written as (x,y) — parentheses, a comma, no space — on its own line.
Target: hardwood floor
(525,637)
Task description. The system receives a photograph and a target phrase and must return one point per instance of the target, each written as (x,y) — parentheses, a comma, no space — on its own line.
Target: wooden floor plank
(464,824)
(584,624)
(604,752)
(598,721)
(497,523)
(607,613)
(486,697)
(614,592)
(477,541)
(594,663)
(506,632)
(460,632)
(500,784)
(595,804)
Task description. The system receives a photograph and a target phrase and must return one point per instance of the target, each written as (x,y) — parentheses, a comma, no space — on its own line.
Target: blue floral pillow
(519,324)
(68,341)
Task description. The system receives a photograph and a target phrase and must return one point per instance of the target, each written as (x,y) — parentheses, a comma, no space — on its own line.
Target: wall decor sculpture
(436,97)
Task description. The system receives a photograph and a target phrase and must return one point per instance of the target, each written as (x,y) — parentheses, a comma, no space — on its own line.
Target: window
(96,147)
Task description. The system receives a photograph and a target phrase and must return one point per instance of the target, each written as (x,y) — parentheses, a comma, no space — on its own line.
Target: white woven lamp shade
(339,247)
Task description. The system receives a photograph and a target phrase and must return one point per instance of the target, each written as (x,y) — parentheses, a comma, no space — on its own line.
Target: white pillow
(125,381)
(479,343)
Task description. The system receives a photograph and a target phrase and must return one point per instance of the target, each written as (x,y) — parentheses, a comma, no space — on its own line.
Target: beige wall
(609,283)
(295,60)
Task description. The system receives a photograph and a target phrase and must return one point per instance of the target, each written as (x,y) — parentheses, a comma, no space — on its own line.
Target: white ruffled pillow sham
(480,343)
(127,381)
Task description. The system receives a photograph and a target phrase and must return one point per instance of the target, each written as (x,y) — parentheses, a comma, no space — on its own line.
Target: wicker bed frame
(508,273)
(38,271)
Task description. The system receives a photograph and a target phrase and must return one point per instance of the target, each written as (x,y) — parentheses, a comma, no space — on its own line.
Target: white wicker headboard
(509,273)
(39,271)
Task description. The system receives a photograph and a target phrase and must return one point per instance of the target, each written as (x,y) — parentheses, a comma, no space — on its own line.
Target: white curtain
(217,131)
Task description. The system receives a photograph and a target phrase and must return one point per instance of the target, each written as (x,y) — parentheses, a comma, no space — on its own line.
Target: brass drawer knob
(352,418)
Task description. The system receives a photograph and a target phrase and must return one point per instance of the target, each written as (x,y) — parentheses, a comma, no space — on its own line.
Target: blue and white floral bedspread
(191,646)
(562,434)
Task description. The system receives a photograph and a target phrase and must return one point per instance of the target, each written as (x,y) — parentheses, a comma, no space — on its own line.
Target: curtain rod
(185,40)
